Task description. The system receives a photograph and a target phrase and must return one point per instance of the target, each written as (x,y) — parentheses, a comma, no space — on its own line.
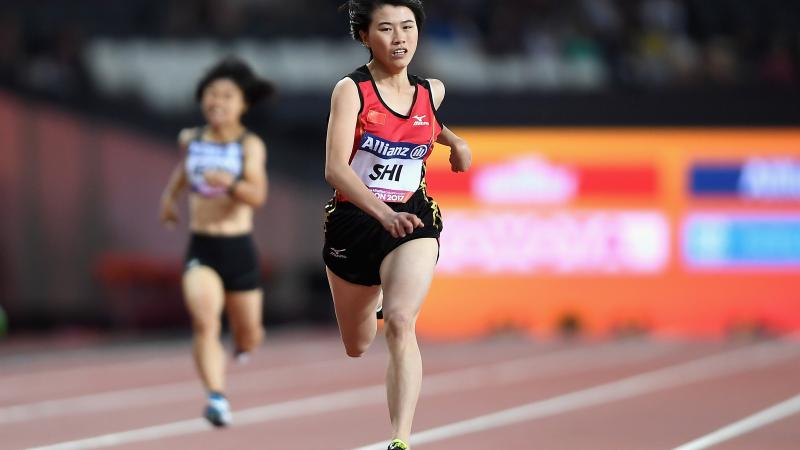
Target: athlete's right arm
(177,183)
(345,105)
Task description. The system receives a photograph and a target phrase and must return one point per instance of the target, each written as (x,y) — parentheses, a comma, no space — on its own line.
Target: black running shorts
(356,243)
(234,258)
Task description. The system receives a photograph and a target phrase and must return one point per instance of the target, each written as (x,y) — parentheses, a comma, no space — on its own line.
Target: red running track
(511,392)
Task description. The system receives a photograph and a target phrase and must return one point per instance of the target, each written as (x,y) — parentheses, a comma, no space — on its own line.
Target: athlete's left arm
(253,186)
(460,153)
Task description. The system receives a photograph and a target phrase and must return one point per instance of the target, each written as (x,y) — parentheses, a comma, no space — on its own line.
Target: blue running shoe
(218,410)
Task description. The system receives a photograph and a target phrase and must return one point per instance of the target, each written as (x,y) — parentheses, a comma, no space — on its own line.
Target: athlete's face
(392,36)
(223,102)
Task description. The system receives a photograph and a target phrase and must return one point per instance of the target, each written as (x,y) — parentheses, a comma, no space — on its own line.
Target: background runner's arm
(345,105)
(253,186)
(177,183)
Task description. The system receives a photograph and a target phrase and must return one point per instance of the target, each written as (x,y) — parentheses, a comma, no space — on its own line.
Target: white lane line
(161,394)
(42,376)
(39,382)
(701,369)
(34,358)
(156,395)
(78,375)
(762,418)
(558,362)
(175,392)
(294,408)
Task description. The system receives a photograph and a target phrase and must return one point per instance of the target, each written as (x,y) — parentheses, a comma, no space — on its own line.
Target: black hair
(360,13)
(253,88)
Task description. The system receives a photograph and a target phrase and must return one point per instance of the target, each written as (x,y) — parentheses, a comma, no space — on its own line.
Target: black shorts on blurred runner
(234,258)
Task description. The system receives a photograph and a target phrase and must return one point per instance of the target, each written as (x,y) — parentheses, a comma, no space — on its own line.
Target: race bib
(203,157)
(391,170)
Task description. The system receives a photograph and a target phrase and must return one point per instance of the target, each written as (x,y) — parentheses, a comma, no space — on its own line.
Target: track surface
(511,392)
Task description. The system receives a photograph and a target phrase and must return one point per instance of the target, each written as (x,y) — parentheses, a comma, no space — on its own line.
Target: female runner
(382,228)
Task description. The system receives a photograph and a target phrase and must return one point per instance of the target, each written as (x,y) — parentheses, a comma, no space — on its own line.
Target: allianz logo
(400,150)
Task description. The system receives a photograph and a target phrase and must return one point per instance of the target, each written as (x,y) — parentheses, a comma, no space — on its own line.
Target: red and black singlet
(390,149)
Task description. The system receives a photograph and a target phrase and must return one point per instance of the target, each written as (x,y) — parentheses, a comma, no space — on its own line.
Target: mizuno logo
(419,121)
(337,253)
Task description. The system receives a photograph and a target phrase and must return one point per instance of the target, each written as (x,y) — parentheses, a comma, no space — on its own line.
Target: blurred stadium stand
(153,51)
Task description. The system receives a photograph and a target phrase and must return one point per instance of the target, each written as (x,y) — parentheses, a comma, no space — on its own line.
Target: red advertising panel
(678,231)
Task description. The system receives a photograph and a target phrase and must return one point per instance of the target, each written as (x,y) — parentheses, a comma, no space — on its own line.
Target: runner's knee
(355,348)
(206,326)
(399,325)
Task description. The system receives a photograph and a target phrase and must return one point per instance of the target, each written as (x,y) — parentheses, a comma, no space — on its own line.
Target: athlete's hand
(219,178)
(400,224)
(460,156)
(168,213)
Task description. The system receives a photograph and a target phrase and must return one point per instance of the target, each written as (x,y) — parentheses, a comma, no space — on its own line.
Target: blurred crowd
(637,43)
(641,42)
